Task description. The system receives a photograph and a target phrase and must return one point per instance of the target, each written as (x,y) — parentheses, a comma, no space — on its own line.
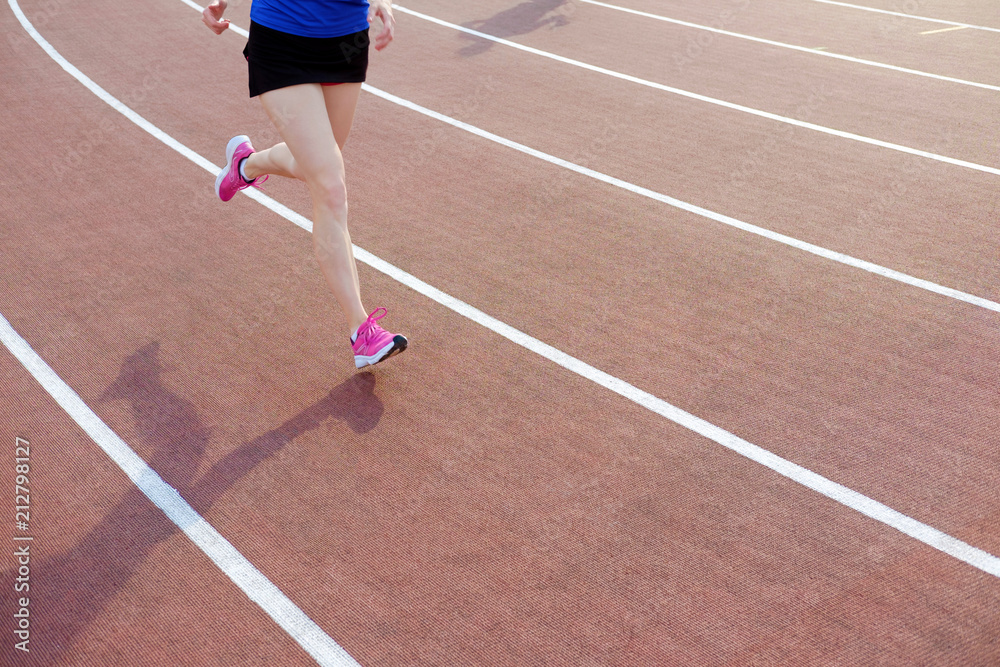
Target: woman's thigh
(341,101)
(300,114)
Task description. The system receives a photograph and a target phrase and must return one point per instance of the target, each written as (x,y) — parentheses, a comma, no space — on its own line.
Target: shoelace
(370,323)
(256,182)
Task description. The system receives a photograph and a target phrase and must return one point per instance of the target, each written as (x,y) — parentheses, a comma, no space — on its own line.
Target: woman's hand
(383,10)
(212,16)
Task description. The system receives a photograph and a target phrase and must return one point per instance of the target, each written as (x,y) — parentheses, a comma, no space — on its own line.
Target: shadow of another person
(518,20)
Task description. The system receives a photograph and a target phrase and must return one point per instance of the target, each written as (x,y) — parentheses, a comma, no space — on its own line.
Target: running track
(481,500)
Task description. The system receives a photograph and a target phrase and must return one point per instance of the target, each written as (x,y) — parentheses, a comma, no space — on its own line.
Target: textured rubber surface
(503,511)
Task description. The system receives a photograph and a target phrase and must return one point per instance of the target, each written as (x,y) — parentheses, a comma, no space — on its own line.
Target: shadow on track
(519,20)
(74,587)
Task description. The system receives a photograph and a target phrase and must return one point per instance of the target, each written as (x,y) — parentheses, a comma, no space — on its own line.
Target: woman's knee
(330,191)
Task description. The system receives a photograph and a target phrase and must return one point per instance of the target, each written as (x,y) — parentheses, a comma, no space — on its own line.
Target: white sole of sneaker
(230,149)
(397,345)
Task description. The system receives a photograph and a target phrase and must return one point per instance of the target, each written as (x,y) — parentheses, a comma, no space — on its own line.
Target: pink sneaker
(229,181)
(375,344)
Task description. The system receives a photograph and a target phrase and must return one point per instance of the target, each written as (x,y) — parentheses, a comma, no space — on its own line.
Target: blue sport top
(311,18)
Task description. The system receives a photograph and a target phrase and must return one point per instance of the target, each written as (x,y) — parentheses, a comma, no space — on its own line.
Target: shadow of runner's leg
(81,582)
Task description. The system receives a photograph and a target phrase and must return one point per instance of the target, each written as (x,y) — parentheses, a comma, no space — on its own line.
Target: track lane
(886,38)
(415,633)
(756,78)
(822,52)
(899,182)
(865,26)
(732,339)
(110,576)
(891,209)
(934,11)
(961,384)
(847,228)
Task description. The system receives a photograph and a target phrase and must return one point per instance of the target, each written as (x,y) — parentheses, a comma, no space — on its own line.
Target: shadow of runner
(74,587)
(518,20)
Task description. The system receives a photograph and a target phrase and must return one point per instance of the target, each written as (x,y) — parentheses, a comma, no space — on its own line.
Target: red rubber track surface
(469,502)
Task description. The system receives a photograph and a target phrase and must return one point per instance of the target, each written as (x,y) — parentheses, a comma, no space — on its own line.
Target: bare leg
(341,101)
(276,160)
(311,153)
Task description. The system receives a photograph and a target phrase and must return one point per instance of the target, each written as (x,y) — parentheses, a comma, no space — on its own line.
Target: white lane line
(908,16)
(922,532)
(705,98)
(235,28)
(235,566)
(698,210)
(794,47)
(934,32)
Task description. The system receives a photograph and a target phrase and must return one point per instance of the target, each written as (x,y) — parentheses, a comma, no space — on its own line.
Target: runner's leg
(310,152)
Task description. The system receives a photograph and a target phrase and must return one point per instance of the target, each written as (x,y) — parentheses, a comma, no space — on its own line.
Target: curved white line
(820,251)
(233,564)
(710,100)
(908,16)
(219,550)
(922,532)
(794,47)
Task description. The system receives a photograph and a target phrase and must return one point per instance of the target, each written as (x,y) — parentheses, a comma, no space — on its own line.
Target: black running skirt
(278,59)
